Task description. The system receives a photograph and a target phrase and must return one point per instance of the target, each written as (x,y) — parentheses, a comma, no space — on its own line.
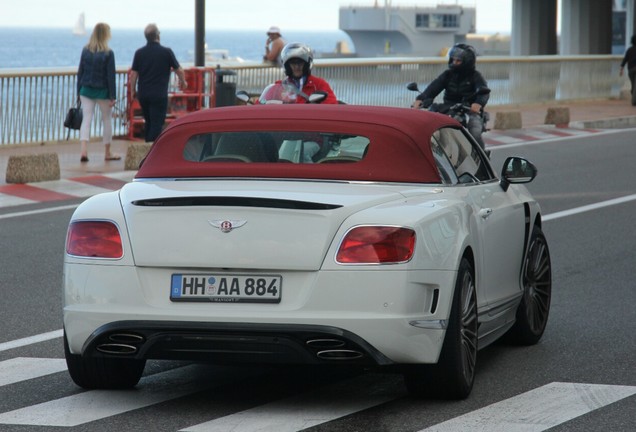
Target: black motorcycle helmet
(299,51)
(466,54)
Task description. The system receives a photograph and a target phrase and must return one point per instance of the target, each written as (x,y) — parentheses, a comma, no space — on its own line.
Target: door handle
(484,213)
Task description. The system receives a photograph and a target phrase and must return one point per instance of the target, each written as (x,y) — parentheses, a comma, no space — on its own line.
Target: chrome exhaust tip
(325,343)
(117,349)
(339,355)
(126,338)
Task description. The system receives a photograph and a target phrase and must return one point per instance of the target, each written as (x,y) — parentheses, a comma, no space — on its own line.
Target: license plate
(226,288)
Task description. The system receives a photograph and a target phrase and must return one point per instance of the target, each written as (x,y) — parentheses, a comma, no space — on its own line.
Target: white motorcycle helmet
(299,51)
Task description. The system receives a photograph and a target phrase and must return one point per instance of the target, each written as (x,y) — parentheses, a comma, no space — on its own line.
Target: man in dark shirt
(151,69)
(630,60)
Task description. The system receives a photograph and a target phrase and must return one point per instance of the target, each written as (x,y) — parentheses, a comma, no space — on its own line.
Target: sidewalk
(611,112)
(68,153)
(605,113)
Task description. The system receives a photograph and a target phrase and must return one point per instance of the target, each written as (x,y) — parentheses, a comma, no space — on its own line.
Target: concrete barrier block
(559,116)
(508,120)
(135,154)
(33,168)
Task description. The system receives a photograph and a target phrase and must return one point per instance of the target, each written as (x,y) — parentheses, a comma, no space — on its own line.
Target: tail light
(377,245)
(96,239)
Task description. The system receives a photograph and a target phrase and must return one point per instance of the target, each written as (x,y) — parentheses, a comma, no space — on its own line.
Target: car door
(498,219)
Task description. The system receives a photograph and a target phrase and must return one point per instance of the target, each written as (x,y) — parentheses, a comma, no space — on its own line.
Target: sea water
(58,47)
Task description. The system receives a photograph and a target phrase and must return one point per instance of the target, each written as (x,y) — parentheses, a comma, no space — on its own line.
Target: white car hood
(167,230)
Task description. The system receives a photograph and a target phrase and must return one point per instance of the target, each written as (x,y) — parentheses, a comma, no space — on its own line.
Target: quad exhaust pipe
(125,344)
(339,355)
(119,349)
(325,343)
(121,344)
(333,350)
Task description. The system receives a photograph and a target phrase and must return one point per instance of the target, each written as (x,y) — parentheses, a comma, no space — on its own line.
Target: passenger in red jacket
(298,60)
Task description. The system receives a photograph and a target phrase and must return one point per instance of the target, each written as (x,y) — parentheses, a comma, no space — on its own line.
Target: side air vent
(234,202)
(435,300)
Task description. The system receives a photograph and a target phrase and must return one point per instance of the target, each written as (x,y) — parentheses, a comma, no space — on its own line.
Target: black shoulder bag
(73,120)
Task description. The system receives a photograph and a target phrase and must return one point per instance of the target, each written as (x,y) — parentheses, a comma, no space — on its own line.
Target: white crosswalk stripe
(98,404)
(31,340)
(534,411)
(537,410)
(22,369)
(302,411)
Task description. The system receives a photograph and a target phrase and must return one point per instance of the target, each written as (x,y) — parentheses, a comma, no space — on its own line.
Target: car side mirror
(517,170)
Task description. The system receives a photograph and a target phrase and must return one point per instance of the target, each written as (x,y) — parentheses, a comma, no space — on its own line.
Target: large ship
(406,30)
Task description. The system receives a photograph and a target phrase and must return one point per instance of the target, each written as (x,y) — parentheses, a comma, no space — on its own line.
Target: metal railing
(33,103)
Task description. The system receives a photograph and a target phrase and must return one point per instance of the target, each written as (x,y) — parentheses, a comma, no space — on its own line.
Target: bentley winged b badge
(227,225)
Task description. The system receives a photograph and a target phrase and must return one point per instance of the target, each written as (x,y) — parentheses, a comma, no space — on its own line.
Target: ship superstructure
(406,30)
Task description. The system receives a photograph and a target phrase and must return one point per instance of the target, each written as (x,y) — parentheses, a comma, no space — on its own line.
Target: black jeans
(154,111)
(632,79)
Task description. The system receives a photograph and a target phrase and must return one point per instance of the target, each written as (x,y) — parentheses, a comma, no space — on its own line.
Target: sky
(492,15)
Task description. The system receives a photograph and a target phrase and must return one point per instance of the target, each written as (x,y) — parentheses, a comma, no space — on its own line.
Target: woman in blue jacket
(96,86)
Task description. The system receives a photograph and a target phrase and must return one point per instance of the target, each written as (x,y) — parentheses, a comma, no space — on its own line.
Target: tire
(533,311)
(453,375)
(103,373)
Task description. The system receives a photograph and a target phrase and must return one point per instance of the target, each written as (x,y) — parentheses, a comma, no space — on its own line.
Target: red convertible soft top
(399,149)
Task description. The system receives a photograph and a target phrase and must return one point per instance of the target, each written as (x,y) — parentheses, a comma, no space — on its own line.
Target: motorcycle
(459,111)
(280,93)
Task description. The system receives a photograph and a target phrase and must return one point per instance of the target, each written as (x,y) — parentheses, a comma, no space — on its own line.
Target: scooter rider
(298,60)
(460,80)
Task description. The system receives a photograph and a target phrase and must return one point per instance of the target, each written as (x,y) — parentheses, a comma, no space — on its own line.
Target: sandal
(113,158)
(84,159)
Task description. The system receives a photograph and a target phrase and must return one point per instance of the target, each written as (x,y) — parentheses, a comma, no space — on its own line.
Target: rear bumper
(378,314)
(232,343)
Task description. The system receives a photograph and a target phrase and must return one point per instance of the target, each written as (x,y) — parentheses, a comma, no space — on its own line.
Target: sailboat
(80,26)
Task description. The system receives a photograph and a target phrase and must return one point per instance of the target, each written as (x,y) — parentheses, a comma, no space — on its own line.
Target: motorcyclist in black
(460,80)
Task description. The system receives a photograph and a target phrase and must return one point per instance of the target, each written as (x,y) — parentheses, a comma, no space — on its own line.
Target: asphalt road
(580,377)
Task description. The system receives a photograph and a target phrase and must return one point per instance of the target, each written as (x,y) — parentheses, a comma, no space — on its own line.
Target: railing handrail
(338,62)
(34,101)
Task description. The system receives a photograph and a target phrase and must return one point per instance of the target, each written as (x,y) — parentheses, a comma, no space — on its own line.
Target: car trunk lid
(241,224)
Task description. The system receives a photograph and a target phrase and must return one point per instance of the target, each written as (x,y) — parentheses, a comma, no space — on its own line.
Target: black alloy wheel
(533,311)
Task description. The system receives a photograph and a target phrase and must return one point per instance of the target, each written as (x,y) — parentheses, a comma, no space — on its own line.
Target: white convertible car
(308,234)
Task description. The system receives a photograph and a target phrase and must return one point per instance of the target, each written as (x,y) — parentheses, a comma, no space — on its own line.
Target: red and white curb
(514,136)
(65,189)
